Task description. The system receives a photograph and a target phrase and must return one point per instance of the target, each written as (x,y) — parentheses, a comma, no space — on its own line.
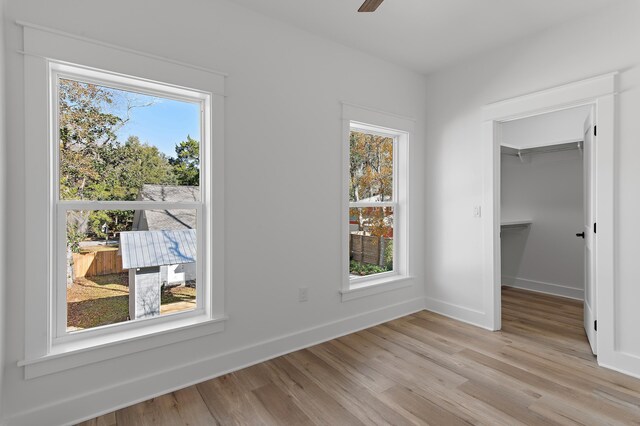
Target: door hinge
(594,228)
(595,325)
(595,130)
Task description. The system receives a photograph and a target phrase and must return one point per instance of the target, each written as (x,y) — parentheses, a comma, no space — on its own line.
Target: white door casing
(600,92)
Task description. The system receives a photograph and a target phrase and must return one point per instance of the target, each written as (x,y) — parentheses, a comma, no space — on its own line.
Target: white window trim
(60,336)
(46,53)
(401,129)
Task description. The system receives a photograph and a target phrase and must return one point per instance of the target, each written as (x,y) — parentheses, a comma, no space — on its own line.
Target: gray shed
(154,258)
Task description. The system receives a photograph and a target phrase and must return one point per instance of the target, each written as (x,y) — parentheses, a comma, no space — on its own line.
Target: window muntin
(372,202)
(109,183)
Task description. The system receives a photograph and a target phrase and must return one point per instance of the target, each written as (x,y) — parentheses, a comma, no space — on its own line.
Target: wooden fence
(97,263)
(368,249)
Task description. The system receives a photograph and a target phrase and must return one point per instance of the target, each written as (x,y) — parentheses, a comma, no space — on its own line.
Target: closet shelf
(519,152)
(512,224)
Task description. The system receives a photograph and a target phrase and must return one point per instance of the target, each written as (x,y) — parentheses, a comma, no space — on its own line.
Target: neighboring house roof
(142,249)
(157,220)
(161,220)
(171,193)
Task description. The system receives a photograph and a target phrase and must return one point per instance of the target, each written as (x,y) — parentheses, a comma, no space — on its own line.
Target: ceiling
(424,35)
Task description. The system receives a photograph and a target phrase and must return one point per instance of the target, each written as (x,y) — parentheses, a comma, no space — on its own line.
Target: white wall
(283,142)
(3,205)
(562,126)
(593,45)
(546,189)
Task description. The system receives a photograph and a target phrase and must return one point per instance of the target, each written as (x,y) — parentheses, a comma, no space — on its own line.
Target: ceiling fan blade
(370,5)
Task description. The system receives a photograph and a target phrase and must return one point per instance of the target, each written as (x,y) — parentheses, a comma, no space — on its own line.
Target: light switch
(477,211)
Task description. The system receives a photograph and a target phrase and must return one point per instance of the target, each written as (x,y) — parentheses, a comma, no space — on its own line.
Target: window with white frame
(125,155)
(372,203)
(128,200)
(376,201)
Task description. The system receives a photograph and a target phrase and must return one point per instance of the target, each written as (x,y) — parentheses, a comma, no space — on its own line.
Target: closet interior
(542,203)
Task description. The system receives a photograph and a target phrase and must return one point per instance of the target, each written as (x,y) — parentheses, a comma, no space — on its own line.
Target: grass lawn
(97,301)
(363,269)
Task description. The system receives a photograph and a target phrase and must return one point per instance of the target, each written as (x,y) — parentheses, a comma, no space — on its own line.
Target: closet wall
(547,189)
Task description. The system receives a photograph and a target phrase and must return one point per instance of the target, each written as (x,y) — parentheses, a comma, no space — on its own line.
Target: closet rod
(513,152)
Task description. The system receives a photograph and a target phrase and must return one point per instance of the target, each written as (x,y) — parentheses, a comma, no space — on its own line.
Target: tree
(371,178)
(85,126)
(130,165)
(186,165)
(90,155)
(124,169)
(94,165)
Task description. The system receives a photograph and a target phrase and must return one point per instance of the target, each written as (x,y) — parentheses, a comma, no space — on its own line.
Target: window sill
(369,287)
(71,355)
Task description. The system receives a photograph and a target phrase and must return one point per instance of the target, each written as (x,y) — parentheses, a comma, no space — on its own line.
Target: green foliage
(94,165)
(186,166)
(358,268)
(85,126)
(371,167)
(371,179)
(130,165)
(96,219)
(74,237)
(388,255)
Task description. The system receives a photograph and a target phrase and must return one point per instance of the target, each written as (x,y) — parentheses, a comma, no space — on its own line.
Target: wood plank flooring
(419,369)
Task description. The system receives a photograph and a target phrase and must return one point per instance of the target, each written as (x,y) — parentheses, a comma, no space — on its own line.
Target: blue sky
(164,123)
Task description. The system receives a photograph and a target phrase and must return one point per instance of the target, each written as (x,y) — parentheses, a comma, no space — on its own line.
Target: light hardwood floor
(420,369)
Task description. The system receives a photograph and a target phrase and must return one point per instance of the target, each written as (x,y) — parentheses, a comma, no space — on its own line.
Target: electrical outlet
(477,211)
(303,294)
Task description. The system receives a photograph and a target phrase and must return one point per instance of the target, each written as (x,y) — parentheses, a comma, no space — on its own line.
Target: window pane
(370,240)
(113,143)
(129,264)
(371,168)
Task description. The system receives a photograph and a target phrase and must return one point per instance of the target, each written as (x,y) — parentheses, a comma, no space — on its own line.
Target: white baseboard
(457,312)
(543,287)
(625,363)
(107,399)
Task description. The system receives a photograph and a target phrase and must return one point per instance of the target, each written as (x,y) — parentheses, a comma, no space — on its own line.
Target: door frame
(601,93)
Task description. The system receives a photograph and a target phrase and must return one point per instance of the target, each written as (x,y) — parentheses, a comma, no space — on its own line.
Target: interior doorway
(599,93)
(546,169)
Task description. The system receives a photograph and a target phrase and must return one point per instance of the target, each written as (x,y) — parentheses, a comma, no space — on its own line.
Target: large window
(128,200)
(125,160)
(371,202)
(375,201)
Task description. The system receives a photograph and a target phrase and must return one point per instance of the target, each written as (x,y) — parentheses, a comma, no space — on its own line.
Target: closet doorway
(598,93)
(547,211)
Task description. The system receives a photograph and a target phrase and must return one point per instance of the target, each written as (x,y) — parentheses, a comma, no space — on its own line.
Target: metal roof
(142,249)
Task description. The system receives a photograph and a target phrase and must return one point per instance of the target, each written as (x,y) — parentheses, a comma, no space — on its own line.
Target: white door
(589,171)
